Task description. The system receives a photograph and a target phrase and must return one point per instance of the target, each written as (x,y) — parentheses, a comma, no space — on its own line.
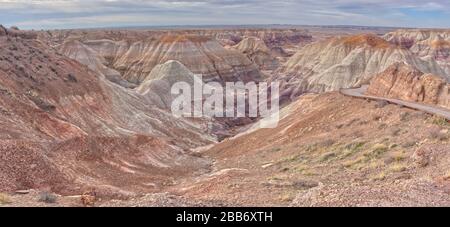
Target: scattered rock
(89,198)
(23,192)
(265,166)
(421,156)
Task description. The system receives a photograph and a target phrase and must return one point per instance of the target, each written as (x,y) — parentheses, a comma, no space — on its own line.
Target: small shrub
(395,131)
(71,78)
(376,151)
(289,159)
(357,134)
(339,126)
(13,48)
(440,121)
(399,156)
(276,149)
(382,126)
(47,197)
(352,148)
(447,175)
(381,104)
(353,121)
(404,116)
(381,176)
(326,143)
(398,168)
(356,163)
(327,156)
(309,172)
(376,118)
(286,198)
(438,134)
(409,144)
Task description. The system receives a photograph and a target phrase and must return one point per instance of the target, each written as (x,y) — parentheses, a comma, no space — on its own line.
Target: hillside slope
(345,62)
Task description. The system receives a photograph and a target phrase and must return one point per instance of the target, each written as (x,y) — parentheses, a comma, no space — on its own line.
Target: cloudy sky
(38,14)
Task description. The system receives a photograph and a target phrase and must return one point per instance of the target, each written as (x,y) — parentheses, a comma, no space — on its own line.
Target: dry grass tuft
(4,199)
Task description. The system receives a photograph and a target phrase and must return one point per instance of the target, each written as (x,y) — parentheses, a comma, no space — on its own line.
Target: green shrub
(47,197)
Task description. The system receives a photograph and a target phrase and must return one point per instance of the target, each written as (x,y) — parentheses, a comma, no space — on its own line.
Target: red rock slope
(404,82)
(65,127)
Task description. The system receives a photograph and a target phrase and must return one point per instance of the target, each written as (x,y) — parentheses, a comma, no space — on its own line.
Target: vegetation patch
(376,151)
(4,199)
(352,148)
(398,167)
(46,197)
(440,121)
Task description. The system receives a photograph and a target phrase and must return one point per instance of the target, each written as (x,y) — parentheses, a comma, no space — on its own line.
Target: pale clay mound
(401,81)
(343,63)
(257,51)
(157,85)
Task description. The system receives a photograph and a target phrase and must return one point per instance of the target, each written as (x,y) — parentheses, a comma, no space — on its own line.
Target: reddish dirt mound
(330,141)
(24,165)
(439,44)
(369,39)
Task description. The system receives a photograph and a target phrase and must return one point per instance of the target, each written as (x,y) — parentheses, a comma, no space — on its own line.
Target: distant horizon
(226,26)
(79,14)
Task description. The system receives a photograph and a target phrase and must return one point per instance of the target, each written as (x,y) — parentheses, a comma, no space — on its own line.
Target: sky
(58,14)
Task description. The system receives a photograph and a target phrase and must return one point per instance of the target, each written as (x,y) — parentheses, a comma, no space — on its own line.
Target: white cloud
(98,13)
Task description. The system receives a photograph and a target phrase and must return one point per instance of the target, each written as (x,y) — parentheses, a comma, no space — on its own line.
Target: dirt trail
(360,93)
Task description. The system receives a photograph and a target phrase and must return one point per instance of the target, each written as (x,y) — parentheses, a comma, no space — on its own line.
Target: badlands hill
(199,54)
(272,37)
(87,56)
(257,51)
(427,44)
(283,41)
(401,81)
(345,62)
(66,128)
(333,150)
(158,83)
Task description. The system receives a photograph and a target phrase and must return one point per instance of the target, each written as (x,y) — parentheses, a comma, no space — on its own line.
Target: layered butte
(97,62)
(401,81)
(201,55)
(427,44)
(345,62)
